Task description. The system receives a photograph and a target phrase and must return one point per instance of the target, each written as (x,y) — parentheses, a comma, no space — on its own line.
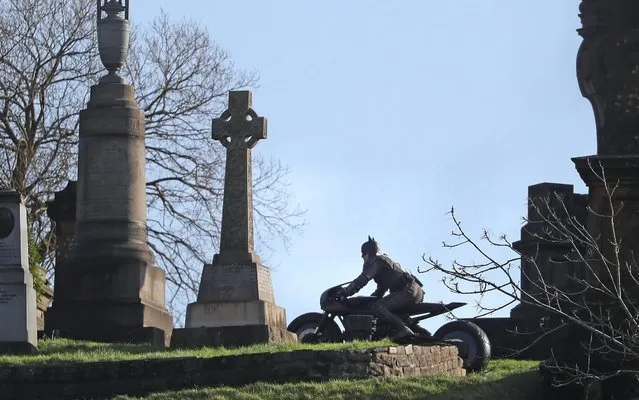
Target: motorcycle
(360,323)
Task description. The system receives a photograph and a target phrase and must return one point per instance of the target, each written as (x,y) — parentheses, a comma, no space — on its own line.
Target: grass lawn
(504,380)
(64,350)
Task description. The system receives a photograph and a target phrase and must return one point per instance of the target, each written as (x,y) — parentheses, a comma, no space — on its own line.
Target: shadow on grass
(61,350)
(58,346)
(521,386)
(61,346)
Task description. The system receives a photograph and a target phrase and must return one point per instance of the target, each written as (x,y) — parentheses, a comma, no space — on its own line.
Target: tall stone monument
(18,330)
(608,75)
(235,304)
(111,289)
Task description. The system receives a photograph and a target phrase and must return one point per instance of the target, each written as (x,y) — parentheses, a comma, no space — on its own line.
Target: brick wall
(101,380)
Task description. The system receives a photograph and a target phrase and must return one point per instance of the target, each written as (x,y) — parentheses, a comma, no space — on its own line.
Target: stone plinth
(234,295)
(18,330)
(111,287)
(235,301)
(235,307)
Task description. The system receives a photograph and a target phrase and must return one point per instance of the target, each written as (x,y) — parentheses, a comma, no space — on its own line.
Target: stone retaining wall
(100,380)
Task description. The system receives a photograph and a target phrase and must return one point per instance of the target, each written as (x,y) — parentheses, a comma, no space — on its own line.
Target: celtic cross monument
(235,304)
(238,129)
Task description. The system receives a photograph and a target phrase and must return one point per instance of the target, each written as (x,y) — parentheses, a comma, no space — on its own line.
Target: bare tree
(596,305)
(48,60)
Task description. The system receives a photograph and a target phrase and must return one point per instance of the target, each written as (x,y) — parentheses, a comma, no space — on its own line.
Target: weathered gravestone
(235,304)
(546,262)
(62,211)
(111,289)
(18,331)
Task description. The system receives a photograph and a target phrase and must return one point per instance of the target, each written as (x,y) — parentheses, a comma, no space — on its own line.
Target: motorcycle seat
(433,308)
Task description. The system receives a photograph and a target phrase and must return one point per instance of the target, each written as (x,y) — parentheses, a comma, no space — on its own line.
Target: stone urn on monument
(235,304)
(114,33)
(111,289)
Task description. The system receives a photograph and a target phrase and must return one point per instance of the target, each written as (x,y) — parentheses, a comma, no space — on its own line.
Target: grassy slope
(505,380)
(63,350)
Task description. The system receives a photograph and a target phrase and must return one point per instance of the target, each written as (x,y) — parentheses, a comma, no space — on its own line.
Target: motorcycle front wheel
(305,325)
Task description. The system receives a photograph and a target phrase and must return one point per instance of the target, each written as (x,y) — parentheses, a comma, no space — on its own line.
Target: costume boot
(401,330)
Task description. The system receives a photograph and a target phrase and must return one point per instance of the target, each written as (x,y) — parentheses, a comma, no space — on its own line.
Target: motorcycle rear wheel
(304,326)
(473,341)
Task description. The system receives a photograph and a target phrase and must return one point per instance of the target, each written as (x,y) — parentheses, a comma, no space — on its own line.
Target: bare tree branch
(600,299)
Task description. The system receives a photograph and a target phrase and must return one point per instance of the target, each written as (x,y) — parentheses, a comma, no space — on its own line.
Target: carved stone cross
(238,129)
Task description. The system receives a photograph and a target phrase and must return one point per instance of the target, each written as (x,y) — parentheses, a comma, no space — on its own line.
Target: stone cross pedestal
(18,330)
(235,304)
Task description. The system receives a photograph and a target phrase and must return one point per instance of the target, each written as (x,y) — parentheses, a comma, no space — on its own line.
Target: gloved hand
(341,293)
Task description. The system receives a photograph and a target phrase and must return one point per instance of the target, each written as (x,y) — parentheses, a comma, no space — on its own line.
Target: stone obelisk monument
(608,76)
(235,304)
(18,330)
(111,288)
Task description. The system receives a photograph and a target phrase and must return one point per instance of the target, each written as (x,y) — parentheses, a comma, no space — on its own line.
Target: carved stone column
(608,75)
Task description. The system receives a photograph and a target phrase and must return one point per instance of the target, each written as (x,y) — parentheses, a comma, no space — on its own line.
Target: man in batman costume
(405,289)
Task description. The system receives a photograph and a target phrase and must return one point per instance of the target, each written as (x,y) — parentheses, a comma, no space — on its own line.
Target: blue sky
(389,113)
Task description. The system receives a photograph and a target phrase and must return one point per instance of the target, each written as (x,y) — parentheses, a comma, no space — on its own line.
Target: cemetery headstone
(18,330)
(545,261)
(62,211)
(235,304)
(111,289)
